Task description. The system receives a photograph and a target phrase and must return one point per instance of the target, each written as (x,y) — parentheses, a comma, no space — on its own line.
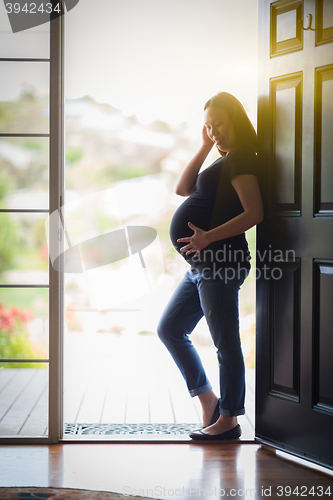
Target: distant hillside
(102,145)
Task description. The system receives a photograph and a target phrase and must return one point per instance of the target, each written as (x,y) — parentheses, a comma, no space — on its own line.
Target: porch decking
(23,402)
(95,405)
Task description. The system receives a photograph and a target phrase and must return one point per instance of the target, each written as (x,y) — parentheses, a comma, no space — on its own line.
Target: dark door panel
(294,400)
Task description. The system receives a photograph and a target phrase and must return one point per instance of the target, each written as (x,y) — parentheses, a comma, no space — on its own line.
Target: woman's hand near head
(207,141)
(187,180)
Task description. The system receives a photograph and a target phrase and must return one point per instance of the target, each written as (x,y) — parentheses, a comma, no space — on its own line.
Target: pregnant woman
(208,229)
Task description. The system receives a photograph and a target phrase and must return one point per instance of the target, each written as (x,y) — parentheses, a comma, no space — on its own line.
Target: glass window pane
(24,400)
(24,98)
(34,42)
(24,172)
(29,44)
(23,248)
(24,323)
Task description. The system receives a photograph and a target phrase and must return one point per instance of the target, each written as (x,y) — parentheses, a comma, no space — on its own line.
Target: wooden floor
(23,402)
(164,471)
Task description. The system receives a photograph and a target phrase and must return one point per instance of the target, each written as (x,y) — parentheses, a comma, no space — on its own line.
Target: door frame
(56,197)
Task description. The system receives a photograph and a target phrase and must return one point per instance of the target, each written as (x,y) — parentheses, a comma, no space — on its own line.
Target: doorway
(133,119)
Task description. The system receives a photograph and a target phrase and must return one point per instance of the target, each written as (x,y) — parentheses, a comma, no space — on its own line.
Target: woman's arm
(187,180)
(247,188)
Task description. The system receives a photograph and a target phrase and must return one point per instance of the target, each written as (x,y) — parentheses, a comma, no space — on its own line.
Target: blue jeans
(213,295)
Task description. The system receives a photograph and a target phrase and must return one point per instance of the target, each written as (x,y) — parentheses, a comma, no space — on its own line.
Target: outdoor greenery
(8,240)
(14,341)
(73,154)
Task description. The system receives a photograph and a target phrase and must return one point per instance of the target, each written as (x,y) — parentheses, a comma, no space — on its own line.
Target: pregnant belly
(200,216)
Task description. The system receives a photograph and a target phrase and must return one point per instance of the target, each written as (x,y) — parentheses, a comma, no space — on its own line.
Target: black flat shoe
(216,413)
(199,435)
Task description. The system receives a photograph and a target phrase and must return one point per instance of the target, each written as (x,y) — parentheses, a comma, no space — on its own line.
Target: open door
(294,400)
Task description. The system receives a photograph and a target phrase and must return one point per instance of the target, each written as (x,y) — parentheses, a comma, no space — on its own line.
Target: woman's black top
(213,203)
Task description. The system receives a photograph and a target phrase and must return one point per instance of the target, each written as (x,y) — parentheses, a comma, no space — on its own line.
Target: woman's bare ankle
(208,402)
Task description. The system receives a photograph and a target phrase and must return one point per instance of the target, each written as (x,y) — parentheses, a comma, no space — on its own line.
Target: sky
(156,59)
(162,59)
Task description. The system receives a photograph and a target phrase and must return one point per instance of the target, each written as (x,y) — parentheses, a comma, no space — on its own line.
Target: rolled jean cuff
(232,413)
(201,390)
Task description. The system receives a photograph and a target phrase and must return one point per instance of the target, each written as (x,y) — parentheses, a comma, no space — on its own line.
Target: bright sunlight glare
(162,60)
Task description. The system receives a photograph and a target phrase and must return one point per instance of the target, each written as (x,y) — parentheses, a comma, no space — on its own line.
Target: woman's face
(220,129)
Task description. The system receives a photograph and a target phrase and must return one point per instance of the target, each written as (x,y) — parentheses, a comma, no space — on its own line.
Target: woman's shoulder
(242,161)
(215,165)
(219,161)
(242,154)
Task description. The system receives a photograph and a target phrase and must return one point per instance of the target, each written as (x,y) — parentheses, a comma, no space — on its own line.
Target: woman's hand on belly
(197,242)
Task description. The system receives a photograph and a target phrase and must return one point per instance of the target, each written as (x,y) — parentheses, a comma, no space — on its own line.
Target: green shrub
(14,340)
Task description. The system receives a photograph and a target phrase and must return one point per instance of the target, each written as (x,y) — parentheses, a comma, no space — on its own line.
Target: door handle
(308,20)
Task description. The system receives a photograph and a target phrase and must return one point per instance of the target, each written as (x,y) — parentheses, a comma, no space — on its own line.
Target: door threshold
(149,433)
(137,430)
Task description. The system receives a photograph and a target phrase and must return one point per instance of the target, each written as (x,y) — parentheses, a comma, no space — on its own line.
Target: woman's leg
(178,320)
(219,301)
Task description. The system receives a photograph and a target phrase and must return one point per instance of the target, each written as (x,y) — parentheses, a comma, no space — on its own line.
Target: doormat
(61,494)
(129,429)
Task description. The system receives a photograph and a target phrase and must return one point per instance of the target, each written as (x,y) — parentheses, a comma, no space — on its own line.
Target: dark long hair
(245,134)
